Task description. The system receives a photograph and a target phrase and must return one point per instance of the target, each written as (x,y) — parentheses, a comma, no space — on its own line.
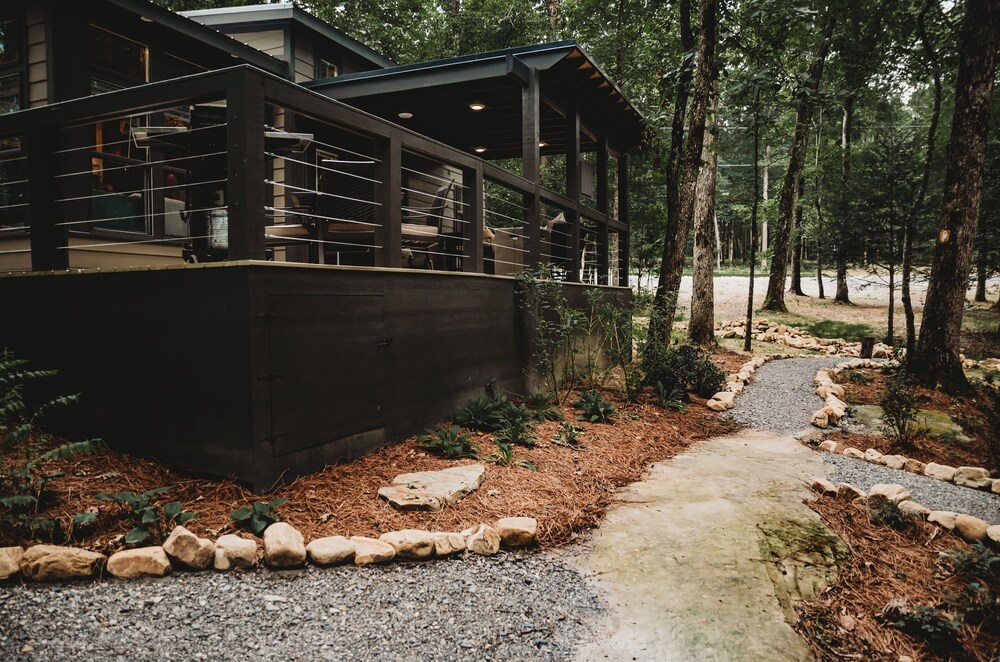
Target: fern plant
(149,519)
(259,516)
(449,442)
(594,408)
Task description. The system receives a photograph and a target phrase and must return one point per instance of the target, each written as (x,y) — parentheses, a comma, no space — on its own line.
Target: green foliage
(22,448)
(858,377)
(835,329)
(482,413)
(569,436)
(539,404)
(672,400)
(888,514)
(505,456)
(594,408)
(516,431)
(981,562)
(150,520)
(259,516)
(683,368)
(929,624)
(449,442)
(899,410)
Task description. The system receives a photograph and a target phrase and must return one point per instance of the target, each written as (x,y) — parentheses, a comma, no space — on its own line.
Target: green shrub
(259,516)
(858,377)
(505,456)
(569,436)
(683,368)
(899,410)
(980,562)
(889,514)
(929,624)
(594,407)
(482,414)
(449,442)
(148,518)
(541,407)
(517,431)
(672,401)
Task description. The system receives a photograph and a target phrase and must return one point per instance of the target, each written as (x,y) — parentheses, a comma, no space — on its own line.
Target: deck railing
(211,167)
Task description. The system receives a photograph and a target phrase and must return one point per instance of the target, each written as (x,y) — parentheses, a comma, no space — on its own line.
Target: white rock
(829,446)
(284,546)
(140,562)
(820,419)
(483,539)
(10,560)
(914,466)
(446,544)
(433,490)
(996,486)
(973,477)
(854,452)
(971,528)
(54,562)
(891,492)
(993,533)
(188,549)
(410,543)
(235,553)
(873,456)
(894,461)
(517,531)
(725,398)
(837,407)
(370,550)
(330,550)
(915,509)
(823,486)
(944,518)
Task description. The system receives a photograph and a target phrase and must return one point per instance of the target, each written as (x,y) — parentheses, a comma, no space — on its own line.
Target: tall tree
(701,327)
(936,359)
(806,93)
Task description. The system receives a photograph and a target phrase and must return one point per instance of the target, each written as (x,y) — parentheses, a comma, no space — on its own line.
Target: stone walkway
(701,560)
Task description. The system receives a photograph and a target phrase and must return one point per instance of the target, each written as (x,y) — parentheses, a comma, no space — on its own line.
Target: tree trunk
(754,205)
(765,193)
(936,360)
(781,244)
(675,241)
(843,294)
(796,286)
(981,273)
(715,224)
(701,327)
(665,296)
(890,332)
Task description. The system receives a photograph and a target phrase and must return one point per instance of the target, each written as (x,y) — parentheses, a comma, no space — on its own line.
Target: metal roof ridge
(236,9)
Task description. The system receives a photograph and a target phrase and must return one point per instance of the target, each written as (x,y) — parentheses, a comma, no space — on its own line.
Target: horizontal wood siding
(305,61)
(38,76)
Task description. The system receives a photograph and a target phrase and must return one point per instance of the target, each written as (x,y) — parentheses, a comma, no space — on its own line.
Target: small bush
(505,456)
(518,432)
(981,562)
(259,516)
(449,442)
(899,410)
(672,401)
(683,368)
(858,377)
(929,624)
(889,514)
(541,408)
(569,436)
(150,519)
(482,414)
(594,407)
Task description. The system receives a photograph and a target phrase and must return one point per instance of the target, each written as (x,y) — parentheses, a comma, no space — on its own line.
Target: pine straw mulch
(969,412)
(568,493)
(886,565)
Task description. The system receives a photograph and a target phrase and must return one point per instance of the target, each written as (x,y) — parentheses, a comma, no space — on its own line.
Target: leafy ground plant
(672,400)
(449,442)
(149,519)
(568,436)
(259,516)
(930,624)
(899,410)
(505,456)
(594,408)
(682,368)
(517,432)
(481,413)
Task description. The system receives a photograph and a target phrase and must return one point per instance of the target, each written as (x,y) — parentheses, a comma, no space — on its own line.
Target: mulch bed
(968,412)
(850,621)
(568,493)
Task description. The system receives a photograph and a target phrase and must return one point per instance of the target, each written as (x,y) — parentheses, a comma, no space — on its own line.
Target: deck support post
(474,215)
(49,242)
(623,210)
(245,165)
(603,243)
(573,187)
(531,133)
(389,196)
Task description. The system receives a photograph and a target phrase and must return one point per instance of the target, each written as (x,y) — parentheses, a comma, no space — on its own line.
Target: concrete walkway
(701,559)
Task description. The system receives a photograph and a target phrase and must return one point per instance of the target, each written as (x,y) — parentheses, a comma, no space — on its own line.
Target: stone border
(833,410)
(969,527)
(283,547)
(984,364)
(735,382)
(789,336)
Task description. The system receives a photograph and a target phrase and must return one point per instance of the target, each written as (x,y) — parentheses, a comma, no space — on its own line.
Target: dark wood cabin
(250,276)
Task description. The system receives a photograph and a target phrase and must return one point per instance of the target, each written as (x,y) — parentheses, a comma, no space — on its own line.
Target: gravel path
(512,607)
(782,399)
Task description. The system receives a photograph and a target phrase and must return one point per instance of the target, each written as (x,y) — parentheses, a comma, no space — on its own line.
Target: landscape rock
(483,539)
(894,461)
(823,486)
(914,466)
(829,445)
(139,562)
(820,419)
(446,544)
(410,543)
(888,492)
(54,562)
(235,553)
(873,456)
(284,546)
(517,531)
(433,490)
(993,533)
(10,560)
(726,399)
(996,486)
(939,471)
(914,508)
(854,452)
(370,550)
(848,492)
(943,518)
(971,528)
(330,550)
(188,549)
(976,477)
(837,407)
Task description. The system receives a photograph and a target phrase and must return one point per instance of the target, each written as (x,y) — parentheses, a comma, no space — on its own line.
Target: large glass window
(117,55)
(10,58)
(10,42)
(10,93)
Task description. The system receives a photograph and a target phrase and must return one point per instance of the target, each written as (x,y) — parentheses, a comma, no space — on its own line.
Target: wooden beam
(531,164)
(573,193)
(49,242)
(603,244)
(474,215)
(623,211)
(389,195)
(245,166)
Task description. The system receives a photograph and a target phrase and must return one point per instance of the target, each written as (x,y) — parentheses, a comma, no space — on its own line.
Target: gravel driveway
(511,607)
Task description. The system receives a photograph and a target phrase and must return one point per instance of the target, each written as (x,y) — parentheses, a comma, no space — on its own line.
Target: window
(326,69)
(121,57)
(10,66)
(10,42)
(175,67)
(10,93)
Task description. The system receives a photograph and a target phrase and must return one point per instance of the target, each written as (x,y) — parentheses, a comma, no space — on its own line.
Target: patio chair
(421,227)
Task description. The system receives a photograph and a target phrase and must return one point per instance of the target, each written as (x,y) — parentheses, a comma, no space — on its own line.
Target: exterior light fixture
(479,150)
(145,19)
(477,106)
(542,143)
(405,116)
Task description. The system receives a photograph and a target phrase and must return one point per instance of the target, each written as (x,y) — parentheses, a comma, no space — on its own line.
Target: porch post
(49,242)
(474,216)
(245,165)
(604,275)
(389,213)
(623,235)
(530,163)
(573,193)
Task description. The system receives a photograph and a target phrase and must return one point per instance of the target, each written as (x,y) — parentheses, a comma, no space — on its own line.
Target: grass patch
(834,329)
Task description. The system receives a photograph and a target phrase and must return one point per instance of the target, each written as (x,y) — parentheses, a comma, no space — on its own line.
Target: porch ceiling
(439,93)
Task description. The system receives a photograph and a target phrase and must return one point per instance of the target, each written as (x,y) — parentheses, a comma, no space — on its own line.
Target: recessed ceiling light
(479,150)
(145,19)
(476,106)
(542,143)
(405,116)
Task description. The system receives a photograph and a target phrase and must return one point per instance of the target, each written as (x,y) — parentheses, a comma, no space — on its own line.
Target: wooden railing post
(49,241)
(531,131)
(603,243)
(474,215)
(245,165)
(389,212)
(623,210)
(573,193)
